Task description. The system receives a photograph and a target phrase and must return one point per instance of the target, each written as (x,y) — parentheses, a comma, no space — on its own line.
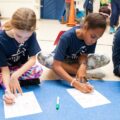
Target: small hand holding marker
(58,103)
(83,86)
(8,97)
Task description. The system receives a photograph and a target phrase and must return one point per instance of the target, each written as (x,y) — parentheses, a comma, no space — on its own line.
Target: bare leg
(94,61)
(70,68)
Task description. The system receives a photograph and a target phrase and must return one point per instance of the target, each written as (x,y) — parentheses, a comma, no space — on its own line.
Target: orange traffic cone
(71,20)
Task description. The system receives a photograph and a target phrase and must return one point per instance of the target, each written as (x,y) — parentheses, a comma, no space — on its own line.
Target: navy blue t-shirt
(13,53)
(71,47)
(116,52)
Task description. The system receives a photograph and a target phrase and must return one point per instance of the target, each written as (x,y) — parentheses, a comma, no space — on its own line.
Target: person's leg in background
(62,18)
(85,7)
(67,10)
(114,15)
(118,22)
(88,6)
(86,12)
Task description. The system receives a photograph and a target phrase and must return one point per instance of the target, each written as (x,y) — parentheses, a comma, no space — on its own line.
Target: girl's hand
(8,97)
(81,74)
(83,87)
(14,84)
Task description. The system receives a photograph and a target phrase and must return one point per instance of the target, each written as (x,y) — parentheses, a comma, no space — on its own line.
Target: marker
(58,103)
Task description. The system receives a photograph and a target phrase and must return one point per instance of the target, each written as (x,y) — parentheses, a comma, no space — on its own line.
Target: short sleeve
(60,51)
(3,58)
(33,46)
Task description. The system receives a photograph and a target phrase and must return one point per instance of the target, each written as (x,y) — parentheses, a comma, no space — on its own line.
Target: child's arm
(81,73)
(14,84)
(5,77)
(8,97)
(26,66)
(60,68)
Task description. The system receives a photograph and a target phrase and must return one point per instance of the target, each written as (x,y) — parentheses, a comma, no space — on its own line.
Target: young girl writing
(73,55)
(18,49)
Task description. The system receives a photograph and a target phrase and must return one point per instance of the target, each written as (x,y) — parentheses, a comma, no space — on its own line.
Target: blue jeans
(115,9)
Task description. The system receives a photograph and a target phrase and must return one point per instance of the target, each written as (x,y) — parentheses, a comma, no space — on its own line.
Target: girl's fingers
(15,91)
(89,87)
(16,88)
(83,80)
(79,79)
(8,101)
(86,88)
(11,89)
(19,89)
(9,98)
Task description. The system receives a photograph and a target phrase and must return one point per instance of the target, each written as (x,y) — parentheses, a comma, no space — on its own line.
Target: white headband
(105,14)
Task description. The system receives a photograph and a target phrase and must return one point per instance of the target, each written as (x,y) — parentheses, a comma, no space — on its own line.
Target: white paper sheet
(25,104)
(88,100)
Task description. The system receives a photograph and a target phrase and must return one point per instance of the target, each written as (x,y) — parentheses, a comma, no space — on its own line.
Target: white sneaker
(95,74)
(45,60)
(96,61)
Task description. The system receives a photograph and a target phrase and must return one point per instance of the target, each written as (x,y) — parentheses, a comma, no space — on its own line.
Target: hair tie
(104,14)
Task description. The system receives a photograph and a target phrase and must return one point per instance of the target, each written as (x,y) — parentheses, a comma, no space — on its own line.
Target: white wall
(7,7)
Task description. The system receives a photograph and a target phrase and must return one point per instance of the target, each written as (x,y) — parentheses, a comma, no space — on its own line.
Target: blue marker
(57,103)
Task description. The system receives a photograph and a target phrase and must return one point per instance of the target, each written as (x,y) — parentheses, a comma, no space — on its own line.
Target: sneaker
(112,30)
(96,61)
(95,74)
(45,60)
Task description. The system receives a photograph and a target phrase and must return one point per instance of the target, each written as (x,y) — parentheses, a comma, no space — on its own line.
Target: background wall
(7,7)
(46,9)
(52,9)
